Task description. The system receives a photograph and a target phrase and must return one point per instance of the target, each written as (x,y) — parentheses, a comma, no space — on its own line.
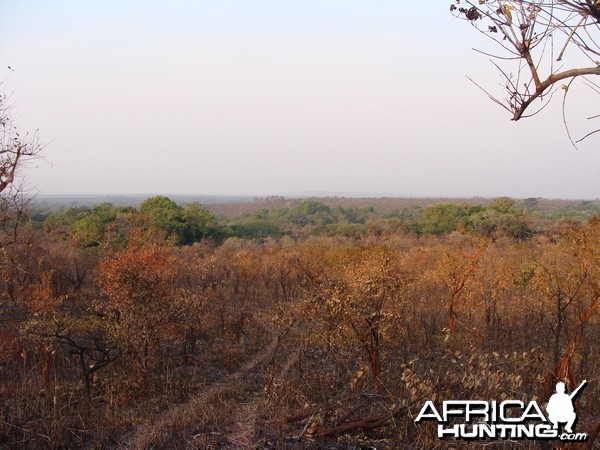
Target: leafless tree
(551,43)
(15,149)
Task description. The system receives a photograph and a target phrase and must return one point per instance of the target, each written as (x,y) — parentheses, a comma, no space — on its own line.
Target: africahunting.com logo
(509,419)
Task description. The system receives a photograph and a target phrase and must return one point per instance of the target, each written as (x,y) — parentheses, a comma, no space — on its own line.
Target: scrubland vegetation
(290,324)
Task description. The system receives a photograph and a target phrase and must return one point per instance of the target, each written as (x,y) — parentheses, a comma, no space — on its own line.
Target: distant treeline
(185,224)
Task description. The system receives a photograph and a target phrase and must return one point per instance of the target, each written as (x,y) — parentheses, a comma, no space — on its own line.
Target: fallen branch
(366,424)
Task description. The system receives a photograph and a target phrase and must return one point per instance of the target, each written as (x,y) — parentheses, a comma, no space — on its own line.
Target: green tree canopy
(442,219)
(164,214)
(199,224)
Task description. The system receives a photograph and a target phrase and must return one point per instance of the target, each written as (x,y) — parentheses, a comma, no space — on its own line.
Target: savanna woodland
(300,323)
(289,323)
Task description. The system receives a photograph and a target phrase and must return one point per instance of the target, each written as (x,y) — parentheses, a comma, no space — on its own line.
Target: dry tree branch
(505,58)
(564,115)
(524,29)
(490,95)
(593,86)
(587,135)
(540,109)
(552,79)
(15,150)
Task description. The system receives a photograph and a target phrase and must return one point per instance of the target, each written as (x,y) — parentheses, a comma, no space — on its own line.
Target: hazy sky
(273,97)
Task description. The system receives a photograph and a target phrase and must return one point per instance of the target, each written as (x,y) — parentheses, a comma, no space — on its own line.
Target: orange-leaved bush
(138,284)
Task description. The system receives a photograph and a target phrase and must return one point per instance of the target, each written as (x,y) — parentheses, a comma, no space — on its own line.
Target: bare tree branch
(523,29)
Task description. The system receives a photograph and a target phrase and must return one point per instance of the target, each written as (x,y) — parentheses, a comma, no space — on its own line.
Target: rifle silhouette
(576,391)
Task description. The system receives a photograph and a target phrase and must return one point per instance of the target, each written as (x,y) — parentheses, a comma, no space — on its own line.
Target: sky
(271,97)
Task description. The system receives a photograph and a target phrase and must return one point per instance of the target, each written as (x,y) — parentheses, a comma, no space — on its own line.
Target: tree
(500,218)
(356,295)
(567,279)
(454,269)
(442,219)
(163,214)
(56,321)
(199,224)
(183,225)
(310,212)
(138,284)
(15,151)
(95,229)
(551,42)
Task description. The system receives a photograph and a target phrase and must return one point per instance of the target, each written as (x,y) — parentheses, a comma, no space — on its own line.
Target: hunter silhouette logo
(560,407)
(508,419)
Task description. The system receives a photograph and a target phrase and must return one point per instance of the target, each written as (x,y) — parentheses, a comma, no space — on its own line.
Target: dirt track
(245,379)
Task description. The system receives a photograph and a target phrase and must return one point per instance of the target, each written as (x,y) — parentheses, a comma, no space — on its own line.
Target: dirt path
(244,431)
(183,415)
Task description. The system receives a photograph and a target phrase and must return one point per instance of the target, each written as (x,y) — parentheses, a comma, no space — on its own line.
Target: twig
(490,96)
(564,115)
(588,135)
(560,55)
